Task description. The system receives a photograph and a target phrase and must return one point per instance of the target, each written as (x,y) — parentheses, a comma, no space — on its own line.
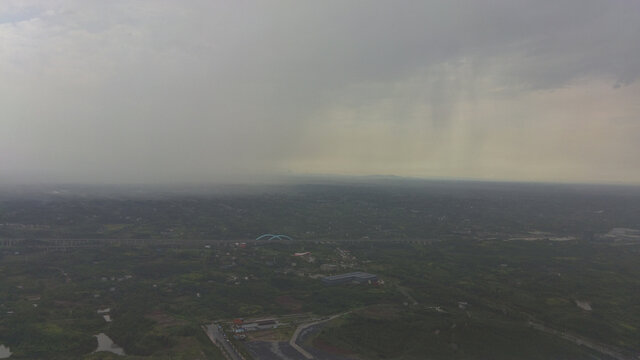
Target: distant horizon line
(298,178)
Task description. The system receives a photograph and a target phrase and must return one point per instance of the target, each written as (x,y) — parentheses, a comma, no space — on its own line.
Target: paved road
(217,337)
(272,350)
(296,334)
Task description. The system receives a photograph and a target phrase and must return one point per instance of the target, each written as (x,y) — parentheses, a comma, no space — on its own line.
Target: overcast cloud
(205,91)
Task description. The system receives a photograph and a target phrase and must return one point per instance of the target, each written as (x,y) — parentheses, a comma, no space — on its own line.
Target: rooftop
(352,275)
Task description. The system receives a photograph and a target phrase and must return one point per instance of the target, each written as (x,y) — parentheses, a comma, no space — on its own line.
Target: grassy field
(446,299)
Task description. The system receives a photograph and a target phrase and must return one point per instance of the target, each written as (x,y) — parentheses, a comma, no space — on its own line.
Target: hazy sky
(201,91)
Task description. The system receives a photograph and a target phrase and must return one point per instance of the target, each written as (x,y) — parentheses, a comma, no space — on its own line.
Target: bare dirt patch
(289,303)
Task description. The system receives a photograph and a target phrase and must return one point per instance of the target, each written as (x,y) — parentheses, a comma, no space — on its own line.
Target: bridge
(270,237)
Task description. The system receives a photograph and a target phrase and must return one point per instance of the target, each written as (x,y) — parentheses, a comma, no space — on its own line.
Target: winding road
(299,330)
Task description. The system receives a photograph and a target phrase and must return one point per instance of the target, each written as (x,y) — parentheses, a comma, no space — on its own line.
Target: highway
(217,337)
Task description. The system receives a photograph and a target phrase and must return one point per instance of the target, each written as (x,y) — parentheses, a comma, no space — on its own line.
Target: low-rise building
(262,324)
(354,277)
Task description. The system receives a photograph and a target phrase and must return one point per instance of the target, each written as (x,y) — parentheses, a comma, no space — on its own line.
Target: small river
(106,344)
(4,352)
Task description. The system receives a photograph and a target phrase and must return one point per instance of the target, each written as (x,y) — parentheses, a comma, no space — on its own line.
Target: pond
(4,352)
(106,344)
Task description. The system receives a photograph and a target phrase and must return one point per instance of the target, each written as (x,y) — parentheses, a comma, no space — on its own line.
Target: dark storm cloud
(203,91)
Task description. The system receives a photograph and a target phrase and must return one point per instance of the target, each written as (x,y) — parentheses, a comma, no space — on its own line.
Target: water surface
(106,344)
(4,352)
